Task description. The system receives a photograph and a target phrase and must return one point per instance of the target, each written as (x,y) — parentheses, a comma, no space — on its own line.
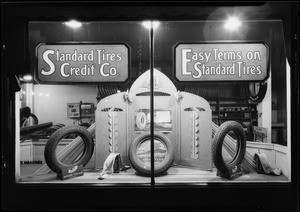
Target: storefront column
(264,110)
(288,123)
(17,133)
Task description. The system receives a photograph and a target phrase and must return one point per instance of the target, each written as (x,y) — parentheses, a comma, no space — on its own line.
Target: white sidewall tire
(160,168)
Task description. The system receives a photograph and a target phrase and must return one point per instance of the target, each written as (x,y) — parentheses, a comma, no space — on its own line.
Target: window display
(151,103)
(210,125)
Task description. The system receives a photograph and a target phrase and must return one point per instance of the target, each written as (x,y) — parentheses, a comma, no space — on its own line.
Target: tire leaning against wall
(24,122)
(53,141)
(35,119)
(260,95)
(217,144)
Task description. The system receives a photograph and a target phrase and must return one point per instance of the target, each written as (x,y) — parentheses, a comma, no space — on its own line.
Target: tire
(217,144)
(260,95)
(52,129)
(85,124)
(24,121)
(141,120)
(50,149)
(144,169)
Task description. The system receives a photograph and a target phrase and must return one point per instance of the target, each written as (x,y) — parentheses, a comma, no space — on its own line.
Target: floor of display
(174,175)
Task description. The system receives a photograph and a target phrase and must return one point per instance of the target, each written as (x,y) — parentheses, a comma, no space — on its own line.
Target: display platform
(176,174)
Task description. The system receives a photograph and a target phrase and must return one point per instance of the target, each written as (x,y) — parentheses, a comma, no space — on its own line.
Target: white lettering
(49,62)
(257,56)
(62,70)
(207,56)
(102,70)
(185,60)
(197,70)
(113,71)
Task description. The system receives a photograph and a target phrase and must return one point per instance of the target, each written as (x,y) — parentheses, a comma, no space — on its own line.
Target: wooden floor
(175,175)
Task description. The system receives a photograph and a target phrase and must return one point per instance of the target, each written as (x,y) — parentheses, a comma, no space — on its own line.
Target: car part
(54,163)
(257,91)
(140,154)
(25,115)
(217,145)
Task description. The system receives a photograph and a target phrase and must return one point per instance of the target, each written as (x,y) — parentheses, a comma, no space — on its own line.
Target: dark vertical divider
(152,105)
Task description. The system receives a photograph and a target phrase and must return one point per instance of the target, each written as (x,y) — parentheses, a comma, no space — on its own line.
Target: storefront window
(219,103)
(88,102)
(150,105)
(200,60)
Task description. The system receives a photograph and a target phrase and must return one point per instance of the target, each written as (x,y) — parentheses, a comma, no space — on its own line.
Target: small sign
(221,62)
(260,134)
(71,172)
(82,63)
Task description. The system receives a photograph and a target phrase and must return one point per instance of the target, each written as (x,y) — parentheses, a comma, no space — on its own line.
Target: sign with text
(82,63)
(222,62)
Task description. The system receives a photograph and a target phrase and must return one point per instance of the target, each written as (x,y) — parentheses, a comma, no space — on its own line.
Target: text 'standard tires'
(50,149)
(257,91)
(222,131)
(140,154)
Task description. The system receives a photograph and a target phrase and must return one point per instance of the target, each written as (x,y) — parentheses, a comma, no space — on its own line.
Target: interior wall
(50,101)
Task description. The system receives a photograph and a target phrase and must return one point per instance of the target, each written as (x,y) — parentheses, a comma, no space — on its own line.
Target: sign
(260,134)
(221,62)
(82,63)
(70,172)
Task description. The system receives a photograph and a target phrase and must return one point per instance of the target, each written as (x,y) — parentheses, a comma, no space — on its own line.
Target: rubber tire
(141,116)
(85,124)
(217,144)
(35,120)
(159,169)
(51,145)
(52,129)
(261,93)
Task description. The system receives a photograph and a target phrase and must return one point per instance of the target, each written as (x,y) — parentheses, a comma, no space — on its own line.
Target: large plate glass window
(220,89)
(87,103)
(195,100)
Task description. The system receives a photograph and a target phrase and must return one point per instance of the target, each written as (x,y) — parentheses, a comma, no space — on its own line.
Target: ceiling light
(232,23)
(149,24)
(73,24)
(26,78)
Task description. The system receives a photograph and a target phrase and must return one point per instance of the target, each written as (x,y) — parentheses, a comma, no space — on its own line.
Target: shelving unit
(241,110)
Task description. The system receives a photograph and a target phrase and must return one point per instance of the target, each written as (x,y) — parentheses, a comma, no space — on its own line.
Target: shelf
(277,124)
(238,109)
(237,104)
(237,118)
(216,112)
(235,111)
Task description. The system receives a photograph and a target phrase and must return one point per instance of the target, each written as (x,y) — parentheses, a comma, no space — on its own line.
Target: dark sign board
(221,62)
(82,63)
